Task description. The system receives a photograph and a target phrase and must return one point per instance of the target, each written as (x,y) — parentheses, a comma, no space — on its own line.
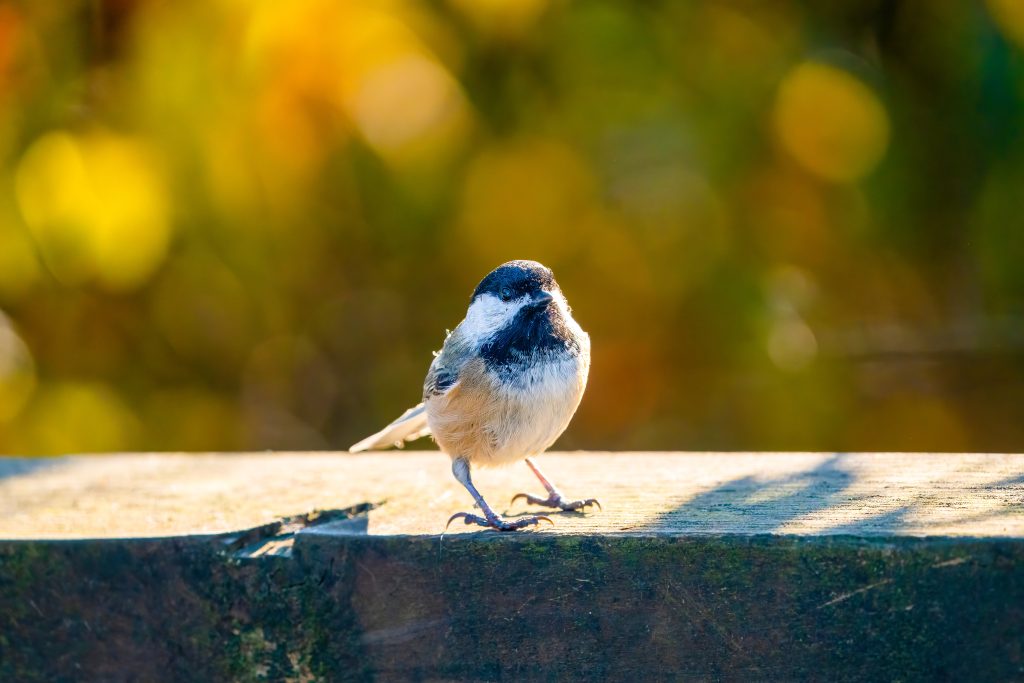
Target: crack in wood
(277,538)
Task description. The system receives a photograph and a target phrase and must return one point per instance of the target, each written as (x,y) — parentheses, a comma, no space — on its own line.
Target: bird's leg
(460,468)
(554,499)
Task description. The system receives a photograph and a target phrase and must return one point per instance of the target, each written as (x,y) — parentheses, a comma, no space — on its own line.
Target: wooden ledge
(883,494)
(728,566)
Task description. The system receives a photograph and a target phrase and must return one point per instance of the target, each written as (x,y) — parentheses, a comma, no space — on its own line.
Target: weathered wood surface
(665,493)
(702,567)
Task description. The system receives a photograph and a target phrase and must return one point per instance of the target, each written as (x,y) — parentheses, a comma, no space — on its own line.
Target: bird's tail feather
(410,426)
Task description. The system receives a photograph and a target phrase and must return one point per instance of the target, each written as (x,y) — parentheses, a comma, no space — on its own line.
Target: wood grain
(151,495)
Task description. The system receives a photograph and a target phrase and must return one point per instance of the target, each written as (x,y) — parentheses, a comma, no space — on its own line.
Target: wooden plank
(703,566)
(146,495)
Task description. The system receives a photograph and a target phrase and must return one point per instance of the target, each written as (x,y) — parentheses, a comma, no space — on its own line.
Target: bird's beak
(541,299)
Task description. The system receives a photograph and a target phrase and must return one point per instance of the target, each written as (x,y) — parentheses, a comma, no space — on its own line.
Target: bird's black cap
(522,277)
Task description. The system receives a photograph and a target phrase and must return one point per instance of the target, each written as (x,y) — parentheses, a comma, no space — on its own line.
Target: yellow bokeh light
(363,60)
(401,98)
(77,417)
(97,206)
(791,343)
(830,122)
(402,101)
(1009,16)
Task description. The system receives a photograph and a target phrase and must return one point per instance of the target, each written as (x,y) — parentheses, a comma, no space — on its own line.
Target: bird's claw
(497,523)
(556,501)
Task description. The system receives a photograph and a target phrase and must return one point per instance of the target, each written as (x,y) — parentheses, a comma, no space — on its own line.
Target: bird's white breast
(490,421)
(540,407)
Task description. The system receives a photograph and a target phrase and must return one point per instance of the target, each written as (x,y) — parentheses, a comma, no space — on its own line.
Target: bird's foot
(555,500)
(497,523)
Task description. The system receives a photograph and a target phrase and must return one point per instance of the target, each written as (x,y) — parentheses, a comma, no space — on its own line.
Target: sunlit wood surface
(139,495)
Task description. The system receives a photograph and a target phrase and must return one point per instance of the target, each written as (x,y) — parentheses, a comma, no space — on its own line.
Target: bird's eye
(506,293)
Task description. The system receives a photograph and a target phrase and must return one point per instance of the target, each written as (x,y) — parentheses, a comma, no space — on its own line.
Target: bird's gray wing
(441,377)
(448,363)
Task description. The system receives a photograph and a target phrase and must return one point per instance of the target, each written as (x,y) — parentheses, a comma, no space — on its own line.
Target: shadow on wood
(322,597)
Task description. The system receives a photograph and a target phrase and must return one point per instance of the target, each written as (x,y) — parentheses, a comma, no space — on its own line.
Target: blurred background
(245,224)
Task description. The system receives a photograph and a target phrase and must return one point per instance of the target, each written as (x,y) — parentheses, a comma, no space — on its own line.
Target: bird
(503,387)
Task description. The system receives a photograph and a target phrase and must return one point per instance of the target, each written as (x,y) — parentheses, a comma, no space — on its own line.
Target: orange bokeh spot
(830,122)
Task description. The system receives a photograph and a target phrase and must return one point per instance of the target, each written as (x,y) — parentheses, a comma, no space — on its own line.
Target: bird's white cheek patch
(487,315)
(562,304)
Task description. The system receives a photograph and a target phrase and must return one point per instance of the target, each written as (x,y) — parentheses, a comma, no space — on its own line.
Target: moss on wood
(514,607)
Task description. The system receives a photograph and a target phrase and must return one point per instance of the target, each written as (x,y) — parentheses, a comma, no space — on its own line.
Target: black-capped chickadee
(503,387)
